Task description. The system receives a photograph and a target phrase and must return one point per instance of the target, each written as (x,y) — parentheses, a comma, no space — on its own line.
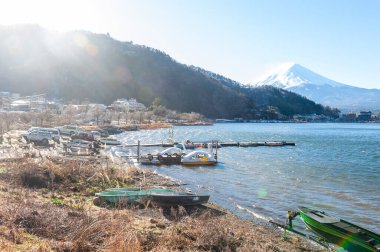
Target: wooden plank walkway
(222,144)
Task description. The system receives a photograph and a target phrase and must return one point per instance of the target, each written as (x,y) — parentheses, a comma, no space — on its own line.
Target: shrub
(34,179)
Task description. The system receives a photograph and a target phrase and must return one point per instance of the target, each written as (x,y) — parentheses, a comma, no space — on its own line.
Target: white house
(20,105)
(128,105)
(135,106)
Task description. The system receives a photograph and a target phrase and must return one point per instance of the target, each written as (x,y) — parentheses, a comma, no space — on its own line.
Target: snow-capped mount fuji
(298,79)
(292,74)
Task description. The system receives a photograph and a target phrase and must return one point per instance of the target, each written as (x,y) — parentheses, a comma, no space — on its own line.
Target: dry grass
(157,125)
(47,200)
(63,175)
(47,206)
(64,229)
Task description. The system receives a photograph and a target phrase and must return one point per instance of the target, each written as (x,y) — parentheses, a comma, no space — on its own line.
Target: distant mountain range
(298,79)
(82,65)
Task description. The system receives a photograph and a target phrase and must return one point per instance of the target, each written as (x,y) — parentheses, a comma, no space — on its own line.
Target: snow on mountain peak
(298,79)
(291,74)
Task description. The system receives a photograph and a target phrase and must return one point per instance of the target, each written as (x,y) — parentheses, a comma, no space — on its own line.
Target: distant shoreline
(264,121)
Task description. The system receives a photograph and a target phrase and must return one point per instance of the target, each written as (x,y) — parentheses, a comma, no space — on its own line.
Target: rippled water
(333,167)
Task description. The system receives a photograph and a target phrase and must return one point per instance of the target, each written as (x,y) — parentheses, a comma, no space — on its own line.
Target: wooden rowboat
(178,198)
(129,195)
(343,233)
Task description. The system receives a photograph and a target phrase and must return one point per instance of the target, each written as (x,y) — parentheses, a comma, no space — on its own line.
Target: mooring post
(138,150)
(216,151)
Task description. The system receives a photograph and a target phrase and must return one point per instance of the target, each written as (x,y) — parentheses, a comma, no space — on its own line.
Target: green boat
(129,195)
(150,189)
(343,233)
(178,198)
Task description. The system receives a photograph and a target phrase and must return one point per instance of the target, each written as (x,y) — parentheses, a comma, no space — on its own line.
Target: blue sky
(241,39)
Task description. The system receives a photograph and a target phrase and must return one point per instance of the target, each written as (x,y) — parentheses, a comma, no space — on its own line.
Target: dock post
(138,150)
(216,151)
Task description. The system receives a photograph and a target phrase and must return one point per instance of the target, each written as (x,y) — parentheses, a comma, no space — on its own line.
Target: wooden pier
(221,144)
(175,159)
(160,160)
(256,144)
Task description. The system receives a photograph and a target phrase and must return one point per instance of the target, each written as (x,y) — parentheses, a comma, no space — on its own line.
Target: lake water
(333,167)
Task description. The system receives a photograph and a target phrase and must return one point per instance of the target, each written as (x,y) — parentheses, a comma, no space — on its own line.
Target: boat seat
(371,241)
(347,227)
(322,218)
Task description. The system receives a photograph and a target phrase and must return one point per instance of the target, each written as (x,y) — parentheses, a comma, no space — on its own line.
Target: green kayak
(343,233)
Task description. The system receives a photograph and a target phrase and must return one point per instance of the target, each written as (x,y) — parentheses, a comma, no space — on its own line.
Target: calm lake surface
(333,167)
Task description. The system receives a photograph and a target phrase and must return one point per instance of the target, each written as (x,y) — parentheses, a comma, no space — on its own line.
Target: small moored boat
(198,158)
(188,145)
(343,233)
(173,151)
(109,141)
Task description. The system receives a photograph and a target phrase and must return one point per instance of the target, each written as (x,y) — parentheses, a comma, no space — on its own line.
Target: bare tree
(97,112)
(148,115)
(171,114)
(118,116)
(108,116)
(191,117)
(26,118)
(1,128)
(69,113)
(9,118)
(127,115)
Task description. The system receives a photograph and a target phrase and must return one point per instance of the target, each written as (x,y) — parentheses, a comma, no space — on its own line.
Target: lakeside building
(20,105)
(5,95)
(86,108)
(313,118)
(365,116)
(7,98)
(14,102)
(128,105)
(120,105)
(96,108)
(349,117)
(136,106)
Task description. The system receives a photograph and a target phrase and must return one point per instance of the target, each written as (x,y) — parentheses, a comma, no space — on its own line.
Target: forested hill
(81,65)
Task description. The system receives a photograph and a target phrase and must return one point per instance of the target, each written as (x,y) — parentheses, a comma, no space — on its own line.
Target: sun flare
(55,15)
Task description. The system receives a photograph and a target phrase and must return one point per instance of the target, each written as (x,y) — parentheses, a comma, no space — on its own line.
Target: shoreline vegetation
(47,205)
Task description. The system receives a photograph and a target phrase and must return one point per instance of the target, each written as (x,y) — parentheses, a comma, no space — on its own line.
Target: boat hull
(197,163)
(137,189)
(129,195)
(125,198)
(340,232)
(160,196)
(179,199)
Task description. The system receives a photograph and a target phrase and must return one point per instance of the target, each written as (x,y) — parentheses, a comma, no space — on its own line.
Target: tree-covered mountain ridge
(81,65)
